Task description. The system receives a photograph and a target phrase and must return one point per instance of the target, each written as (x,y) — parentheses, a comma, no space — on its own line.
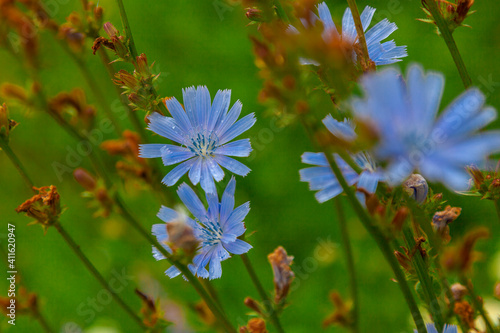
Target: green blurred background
(205,42)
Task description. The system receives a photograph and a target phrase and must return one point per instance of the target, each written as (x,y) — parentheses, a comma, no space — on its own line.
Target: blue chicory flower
(321,176)
(217,229)
(403,114)
(447,329)
(203,131)
(380,53)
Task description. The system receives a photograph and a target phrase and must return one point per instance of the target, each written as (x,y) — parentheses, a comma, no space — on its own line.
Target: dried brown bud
(341,315)
(441,219)
(404,261)
(150,312)
(44,207)
(111,30)
(461,257)
(255,325)
(141,66)
(283,275)
(85,178)
(181,237)
(15,92)
(252,304)
(399,218)
(254,14)
(5,124)
(204,313)
(127,81)
(466,313)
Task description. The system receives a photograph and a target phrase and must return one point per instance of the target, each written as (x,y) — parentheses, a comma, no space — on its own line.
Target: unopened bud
(85,179)
(141,66)
(252,304)
(111,30)
(458,291)
(254,14)
(416,187)
(400,217)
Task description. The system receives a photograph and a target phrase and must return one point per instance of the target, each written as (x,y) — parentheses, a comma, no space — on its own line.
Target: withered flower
(461,257)
(255,325)
(151,311)
(95,191)
(283,274)
(44,207)
(341,316)
(441,219)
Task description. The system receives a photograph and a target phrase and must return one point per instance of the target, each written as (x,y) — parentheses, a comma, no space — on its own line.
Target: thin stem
(477,304)
(17,163)
(42,321)
(280,11)
(91,268)
(425,280)
(359,29)
(450,41)
(497,208)
(263,294)
(346,243)
(128,31)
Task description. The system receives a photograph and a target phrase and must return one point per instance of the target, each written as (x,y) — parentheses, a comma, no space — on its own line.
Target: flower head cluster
(203,130)
(380,53)
(217,229)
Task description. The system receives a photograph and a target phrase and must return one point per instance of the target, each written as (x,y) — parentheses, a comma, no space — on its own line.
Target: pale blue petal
(191,201)
(207,180)
(232,165)
(167,214)
(348,27)
(238,128)
(172,272)
(195,171)
(171,154)
(165,126)
(380,31)
(227,120)
(203,106)
(215,169)
(176,173)
(342,130)
(368,181)
(189,98)
(219,107)
(215,270)
(150,150)
(239,148)
(227,202)
(238,215)
(238,247)
(329,31)
(366,17)
(178,113)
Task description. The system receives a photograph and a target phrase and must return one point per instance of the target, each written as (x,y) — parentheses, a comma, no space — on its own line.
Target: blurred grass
(192,45)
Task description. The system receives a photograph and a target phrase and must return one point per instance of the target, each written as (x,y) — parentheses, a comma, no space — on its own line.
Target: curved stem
(450,41)
(16,162)
(346,243)
(262,293)
(91,268)
(359,29)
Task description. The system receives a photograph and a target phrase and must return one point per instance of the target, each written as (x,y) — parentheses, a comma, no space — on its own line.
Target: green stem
(263,294)
(183,268)
(425,280)
(450,41)
(128,31)
(91,268)
(17,163)
(359,29)
(353,285)
(280,11)
(42,321)
(497,208)
(477,304)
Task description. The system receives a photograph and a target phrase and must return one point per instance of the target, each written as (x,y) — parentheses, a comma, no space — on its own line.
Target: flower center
(203,143)
(211,233)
